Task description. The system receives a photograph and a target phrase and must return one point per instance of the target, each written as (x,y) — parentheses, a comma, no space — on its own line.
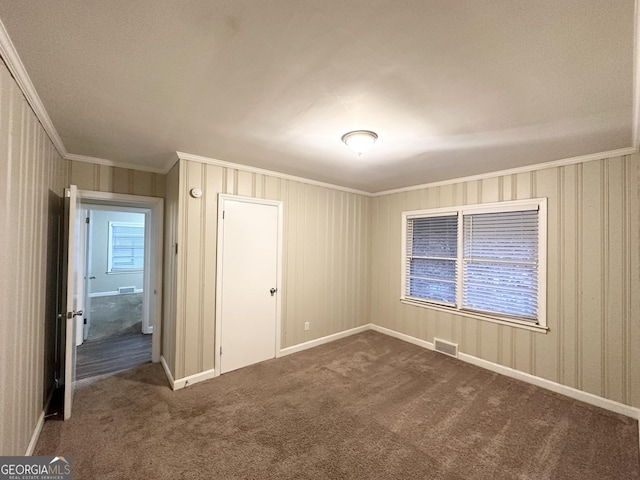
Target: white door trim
(153,251)
(81,287)
(222,198)
(87,273)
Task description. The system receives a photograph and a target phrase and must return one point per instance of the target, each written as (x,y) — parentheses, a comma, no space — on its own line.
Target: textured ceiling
(453,88)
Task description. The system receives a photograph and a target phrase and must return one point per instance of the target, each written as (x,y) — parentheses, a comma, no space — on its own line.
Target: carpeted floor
(366,407)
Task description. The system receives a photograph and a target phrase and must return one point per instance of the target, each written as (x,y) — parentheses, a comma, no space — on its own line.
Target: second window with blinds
(486,261)
(125,251)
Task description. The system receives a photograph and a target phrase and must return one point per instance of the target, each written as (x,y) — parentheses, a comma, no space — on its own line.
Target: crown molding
(512,171)
(110,163)
(261,171)
(272,173)
(11,58)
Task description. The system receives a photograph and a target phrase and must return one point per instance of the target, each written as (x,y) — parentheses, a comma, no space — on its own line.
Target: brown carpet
(367,407)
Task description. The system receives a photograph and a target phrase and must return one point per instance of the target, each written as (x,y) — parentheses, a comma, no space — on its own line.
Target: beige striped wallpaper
(593,305)
(325,264)
(103,178)
(32,180)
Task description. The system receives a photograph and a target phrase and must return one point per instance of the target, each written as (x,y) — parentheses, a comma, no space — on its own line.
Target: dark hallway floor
(112,354)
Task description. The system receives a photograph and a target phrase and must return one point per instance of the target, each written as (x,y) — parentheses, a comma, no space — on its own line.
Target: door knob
(273,291)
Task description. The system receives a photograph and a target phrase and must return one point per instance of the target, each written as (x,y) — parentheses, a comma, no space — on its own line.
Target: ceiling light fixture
(359,141)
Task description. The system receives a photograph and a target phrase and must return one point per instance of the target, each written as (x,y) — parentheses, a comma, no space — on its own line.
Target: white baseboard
(321,341)
(113,293)
(403,336)
(36,434)
(571,392)
(167,372)
(191,379)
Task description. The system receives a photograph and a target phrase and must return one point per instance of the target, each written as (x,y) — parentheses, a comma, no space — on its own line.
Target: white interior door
(71,279)
(248,252)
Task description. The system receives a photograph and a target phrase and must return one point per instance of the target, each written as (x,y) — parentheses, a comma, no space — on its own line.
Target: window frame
(539,204)
(110,269)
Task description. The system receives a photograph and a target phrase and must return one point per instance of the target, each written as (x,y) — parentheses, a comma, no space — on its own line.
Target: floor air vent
(126,289)
(445,347)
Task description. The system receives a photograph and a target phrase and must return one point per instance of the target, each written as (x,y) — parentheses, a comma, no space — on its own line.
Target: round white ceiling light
(360,141)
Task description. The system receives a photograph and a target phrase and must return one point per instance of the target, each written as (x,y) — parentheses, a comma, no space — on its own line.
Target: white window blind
(500,263)
(486,261)
(431,260)
(126,246)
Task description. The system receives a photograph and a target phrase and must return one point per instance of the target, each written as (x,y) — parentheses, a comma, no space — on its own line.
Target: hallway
(112,354)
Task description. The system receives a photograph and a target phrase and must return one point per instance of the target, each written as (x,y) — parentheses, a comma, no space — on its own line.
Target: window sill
(477,316)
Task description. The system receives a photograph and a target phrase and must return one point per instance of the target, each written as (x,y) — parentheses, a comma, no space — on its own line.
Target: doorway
(249,274)
(115,334)
(74,277)
(122,248)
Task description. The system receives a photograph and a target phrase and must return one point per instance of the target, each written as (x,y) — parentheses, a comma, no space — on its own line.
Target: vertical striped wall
(103,178)
(593,305)
(32,179)
(325,264)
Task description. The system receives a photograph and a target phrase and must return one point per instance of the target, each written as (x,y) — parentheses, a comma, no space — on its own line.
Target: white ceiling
(452,88)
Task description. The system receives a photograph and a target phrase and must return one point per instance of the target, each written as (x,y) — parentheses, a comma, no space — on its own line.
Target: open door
(71,280)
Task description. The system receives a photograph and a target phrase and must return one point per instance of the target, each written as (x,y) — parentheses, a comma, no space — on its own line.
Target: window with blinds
(432,258)
(126,247)
(485,260)
(500,273)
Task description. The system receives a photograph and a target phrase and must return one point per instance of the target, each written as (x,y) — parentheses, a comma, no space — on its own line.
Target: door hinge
(176,245)
(220,349)
(87,220)
(223,212)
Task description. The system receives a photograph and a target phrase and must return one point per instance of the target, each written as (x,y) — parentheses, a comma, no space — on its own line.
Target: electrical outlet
(306,325)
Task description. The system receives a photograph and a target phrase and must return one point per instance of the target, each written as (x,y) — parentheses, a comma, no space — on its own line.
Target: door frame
(81,259)
(154,237)
(87,269)
(222,198)
(95,207)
